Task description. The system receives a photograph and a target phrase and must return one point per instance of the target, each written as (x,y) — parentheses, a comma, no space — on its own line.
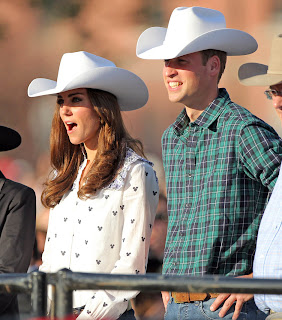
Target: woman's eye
(76,99)
(60,102)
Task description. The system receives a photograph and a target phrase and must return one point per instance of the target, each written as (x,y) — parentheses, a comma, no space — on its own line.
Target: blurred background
(34,34)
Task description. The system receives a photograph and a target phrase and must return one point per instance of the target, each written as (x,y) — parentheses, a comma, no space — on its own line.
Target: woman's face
(79,117)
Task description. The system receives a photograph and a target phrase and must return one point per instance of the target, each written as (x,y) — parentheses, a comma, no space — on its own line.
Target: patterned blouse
(108,233)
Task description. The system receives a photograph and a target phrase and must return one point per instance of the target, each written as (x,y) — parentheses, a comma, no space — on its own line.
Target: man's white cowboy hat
(85,70)
(190,30)
(256,74)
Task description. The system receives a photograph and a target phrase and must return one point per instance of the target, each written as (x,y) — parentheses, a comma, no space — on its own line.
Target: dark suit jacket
(17,235)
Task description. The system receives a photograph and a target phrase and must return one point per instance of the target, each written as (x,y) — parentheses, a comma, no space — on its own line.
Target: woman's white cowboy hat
(9,139)
(256,74)
(85,70)
(190,30)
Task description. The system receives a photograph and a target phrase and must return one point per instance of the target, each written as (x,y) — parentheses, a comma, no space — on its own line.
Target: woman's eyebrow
(71,94)
(74,94)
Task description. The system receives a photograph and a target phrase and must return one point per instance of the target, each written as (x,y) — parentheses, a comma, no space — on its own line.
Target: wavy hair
(66,158)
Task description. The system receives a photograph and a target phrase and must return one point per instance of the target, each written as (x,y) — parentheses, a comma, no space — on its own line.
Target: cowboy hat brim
(9,139)
(152,45)
(255,74)
(129,89)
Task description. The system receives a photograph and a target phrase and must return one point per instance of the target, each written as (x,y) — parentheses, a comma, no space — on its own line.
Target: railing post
(38,294)
(63,294)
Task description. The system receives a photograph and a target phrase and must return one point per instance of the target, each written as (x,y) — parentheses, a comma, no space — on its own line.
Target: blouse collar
(118,183)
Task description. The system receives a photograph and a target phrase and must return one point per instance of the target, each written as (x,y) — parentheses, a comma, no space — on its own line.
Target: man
(221,162)
(268,257)
(17,226)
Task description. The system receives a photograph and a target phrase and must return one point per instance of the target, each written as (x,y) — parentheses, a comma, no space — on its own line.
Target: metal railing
(33,283)
(65,281)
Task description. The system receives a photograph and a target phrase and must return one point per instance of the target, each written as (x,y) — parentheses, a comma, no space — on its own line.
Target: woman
(103,194)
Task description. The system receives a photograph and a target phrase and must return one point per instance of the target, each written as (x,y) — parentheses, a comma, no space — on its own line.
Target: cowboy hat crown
(85,70)
(256,74)
(193,29)
(9,139)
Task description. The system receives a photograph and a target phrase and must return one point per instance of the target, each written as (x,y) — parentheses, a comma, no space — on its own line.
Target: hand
(165,296)
(229,299)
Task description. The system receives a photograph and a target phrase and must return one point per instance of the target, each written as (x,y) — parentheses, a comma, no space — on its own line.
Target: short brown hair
(206,54)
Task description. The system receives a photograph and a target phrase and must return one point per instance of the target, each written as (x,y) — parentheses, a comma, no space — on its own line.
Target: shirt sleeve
(140,199)
(46,256)
(260,151)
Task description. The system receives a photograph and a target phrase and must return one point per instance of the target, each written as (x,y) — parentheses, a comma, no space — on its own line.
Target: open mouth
(174,84)
(70,126)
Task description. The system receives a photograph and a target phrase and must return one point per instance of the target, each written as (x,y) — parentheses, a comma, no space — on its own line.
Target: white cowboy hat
(190,30)
(85,70)
(256,74)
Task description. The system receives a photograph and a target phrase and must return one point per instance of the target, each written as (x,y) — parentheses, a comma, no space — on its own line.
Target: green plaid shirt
(220,170)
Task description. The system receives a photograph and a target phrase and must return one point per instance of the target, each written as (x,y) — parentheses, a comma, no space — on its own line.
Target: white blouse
(108,233)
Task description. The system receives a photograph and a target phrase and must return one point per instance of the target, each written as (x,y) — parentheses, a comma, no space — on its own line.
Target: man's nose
(169,69)
(277,101)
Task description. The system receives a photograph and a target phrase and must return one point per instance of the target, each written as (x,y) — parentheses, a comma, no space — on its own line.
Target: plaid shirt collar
(206,118)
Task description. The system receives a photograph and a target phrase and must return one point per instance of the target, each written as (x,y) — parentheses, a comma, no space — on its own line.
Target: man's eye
(60,102)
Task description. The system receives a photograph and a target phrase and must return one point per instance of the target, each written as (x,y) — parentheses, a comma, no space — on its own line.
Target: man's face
(277,99)
(186,79)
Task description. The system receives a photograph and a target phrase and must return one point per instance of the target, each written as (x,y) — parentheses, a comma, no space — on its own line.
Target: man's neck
(193,112)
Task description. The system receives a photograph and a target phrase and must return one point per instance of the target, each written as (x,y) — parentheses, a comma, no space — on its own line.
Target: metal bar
(14,283)
(38,294)
(153,282)
(63,294)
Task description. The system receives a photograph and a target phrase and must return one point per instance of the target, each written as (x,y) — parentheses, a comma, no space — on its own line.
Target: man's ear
(214,65)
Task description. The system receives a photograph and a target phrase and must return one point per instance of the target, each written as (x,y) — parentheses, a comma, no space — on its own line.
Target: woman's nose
(65,110)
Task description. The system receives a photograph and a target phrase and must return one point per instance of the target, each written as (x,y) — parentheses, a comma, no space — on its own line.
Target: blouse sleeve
(45,266)
(140,199)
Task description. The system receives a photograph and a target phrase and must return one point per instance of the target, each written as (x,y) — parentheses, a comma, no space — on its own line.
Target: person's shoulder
(143,164)
(16,187)
(234,113)
(134,165)
(134,160)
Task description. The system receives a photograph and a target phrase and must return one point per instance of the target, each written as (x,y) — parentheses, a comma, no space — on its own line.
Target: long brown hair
(66,158)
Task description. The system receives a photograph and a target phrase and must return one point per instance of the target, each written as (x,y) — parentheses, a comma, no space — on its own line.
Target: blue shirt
(268,257)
